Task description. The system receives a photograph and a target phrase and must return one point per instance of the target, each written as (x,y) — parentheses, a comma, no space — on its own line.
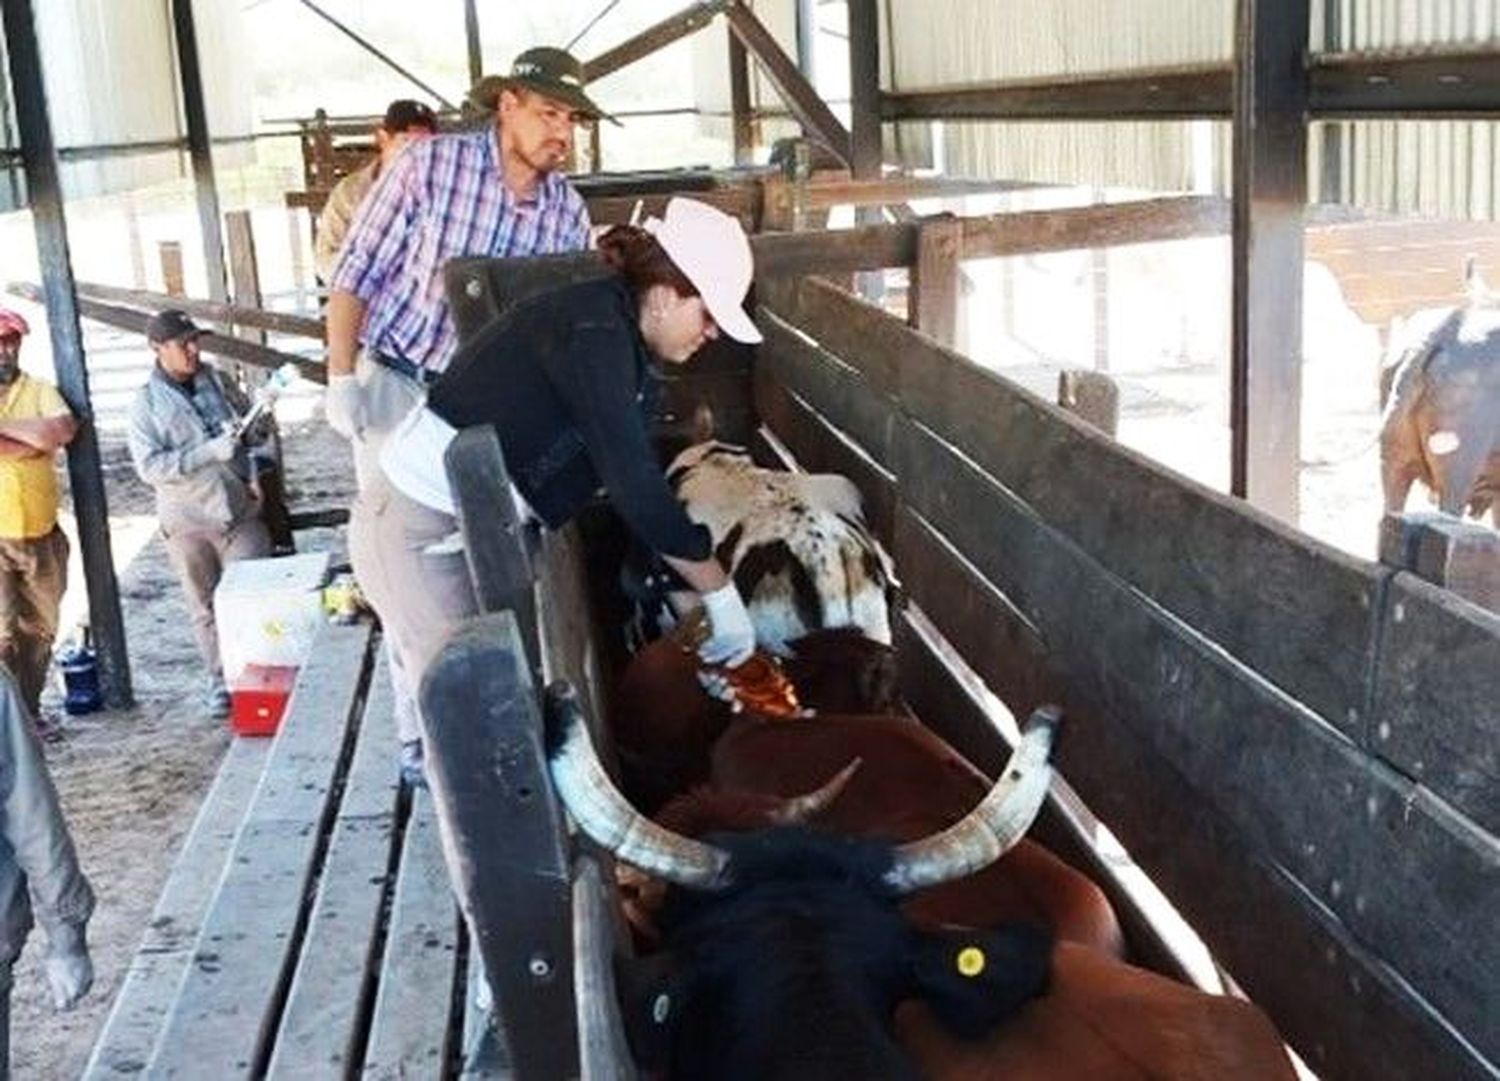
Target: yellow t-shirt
(28,486)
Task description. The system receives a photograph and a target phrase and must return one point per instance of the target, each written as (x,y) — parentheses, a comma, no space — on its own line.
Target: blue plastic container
(80,670)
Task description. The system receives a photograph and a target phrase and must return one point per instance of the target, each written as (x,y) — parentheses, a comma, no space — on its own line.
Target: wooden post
(740,106)
(1461,556)
(171,268)
(504,836)
(603,1051)
(137,251)
(299,257)
(244,274)
(1094,396)
(933,296)
(200,147)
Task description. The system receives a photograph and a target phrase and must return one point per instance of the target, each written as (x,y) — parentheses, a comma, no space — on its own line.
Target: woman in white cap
(564,379)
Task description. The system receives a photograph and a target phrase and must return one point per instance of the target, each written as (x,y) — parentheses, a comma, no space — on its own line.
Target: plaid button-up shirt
(444,197)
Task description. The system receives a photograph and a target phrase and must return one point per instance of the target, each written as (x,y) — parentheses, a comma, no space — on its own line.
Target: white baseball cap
(712,251)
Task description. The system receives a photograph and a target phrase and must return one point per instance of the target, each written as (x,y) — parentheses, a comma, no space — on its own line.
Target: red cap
(12,323)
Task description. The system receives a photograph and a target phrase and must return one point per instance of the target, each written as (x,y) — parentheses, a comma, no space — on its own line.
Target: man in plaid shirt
(491,192)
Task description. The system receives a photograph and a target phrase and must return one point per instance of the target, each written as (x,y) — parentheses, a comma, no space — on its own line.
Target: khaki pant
(388,398)
(420,595)
(199,558)
(33,575)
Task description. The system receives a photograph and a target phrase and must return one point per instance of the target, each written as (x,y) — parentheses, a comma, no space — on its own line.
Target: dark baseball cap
(553,73)
(170,326)
(405,113)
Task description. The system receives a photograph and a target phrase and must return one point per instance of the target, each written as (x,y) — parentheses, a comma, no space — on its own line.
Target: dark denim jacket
(566,380)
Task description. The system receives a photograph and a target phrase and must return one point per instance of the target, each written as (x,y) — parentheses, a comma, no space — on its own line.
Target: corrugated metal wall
(939,42)
(1434,168)
(1445,168)
(110,71)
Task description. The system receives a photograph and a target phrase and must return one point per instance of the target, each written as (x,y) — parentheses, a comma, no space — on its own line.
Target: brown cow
(670,737)
(1441,424)
(783,958)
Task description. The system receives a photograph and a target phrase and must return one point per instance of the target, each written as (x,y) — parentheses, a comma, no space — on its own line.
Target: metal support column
(471,33)
(864,119)
(1270,194)
(195,115)
(807,39)
(85,472)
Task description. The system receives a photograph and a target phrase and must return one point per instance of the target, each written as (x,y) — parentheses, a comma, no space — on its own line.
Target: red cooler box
(259,697)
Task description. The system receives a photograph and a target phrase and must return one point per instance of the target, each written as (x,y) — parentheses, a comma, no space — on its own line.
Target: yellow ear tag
(970,961)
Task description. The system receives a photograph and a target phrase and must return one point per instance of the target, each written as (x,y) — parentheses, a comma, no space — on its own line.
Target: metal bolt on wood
(539,967)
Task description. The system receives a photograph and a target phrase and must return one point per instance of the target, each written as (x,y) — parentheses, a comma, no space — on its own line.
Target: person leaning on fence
(404,121)
(40,880)
(35,423)
(187,443)
(566,380)
(495,191)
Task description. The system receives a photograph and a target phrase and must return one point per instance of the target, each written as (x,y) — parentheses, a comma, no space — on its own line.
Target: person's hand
(343,405)
(731,638)
(221,447)
(69,971)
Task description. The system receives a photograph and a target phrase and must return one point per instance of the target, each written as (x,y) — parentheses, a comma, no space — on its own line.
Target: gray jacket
(39,870)
(168,445)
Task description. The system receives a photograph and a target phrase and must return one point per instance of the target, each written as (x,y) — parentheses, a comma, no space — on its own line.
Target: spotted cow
(796,544)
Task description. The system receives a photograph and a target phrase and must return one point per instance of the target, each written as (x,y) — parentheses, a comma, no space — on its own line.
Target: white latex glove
(732,636)
(70,973)
(221,447)
(344,405)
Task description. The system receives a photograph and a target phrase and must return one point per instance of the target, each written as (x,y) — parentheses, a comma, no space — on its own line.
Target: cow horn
(797,809)
(607,817)
(989,830)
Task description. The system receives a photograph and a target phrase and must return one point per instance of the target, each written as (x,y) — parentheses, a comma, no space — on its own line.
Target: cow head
(786,952)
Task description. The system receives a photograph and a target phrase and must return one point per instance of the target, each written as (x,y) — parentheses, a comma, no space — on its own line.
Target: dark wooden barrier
(1224,676)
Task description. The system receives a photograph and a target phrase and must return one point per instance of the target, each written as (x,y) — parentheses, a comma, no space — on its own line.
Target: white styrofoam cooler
(269,610)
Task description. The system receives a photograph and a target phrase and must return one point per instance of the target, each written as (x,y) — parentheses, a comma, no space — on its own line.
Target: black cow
(786,953)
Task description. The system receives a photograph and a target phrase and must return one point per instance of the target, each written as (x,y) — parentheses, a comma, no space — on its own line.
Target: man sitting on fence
(187,442)
(494,191)
(35,424)
(404,121)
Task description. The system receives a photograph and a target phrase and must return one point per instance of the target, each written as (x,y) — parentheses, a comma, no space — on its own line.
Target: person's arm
(157,460)
(14,448)
(52,430)
(373,251)
(596,377)
(31,821)
(44,434)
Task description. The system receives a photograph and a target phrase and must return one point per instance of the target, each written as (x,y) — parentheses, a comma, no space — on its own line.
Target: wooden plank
(171,267)
(485,1056)
(1437,696)
(947,706)
(323,1026)
(409,1032)
(604,1052)
(742,201)
(1414,885)
(839,392)
(240,313)
(1299,612)
(934,289)
(156,969)
(1182,92)
(1106,225)
(228,1002)
(811,111)
(652,39)
(998,640)
(822,448)
(506,836)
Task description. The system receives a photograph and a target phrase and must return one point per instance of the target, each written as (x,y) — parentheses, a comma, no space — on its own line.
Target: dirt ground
(131,781)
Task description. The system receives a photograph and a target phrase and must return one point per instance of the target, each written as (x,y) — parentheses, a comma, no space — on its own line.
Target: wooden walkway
(307,929)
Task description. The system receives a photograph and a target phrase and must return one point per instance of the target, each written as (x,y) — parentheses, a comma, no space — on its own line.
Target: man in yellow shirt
(35,423)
